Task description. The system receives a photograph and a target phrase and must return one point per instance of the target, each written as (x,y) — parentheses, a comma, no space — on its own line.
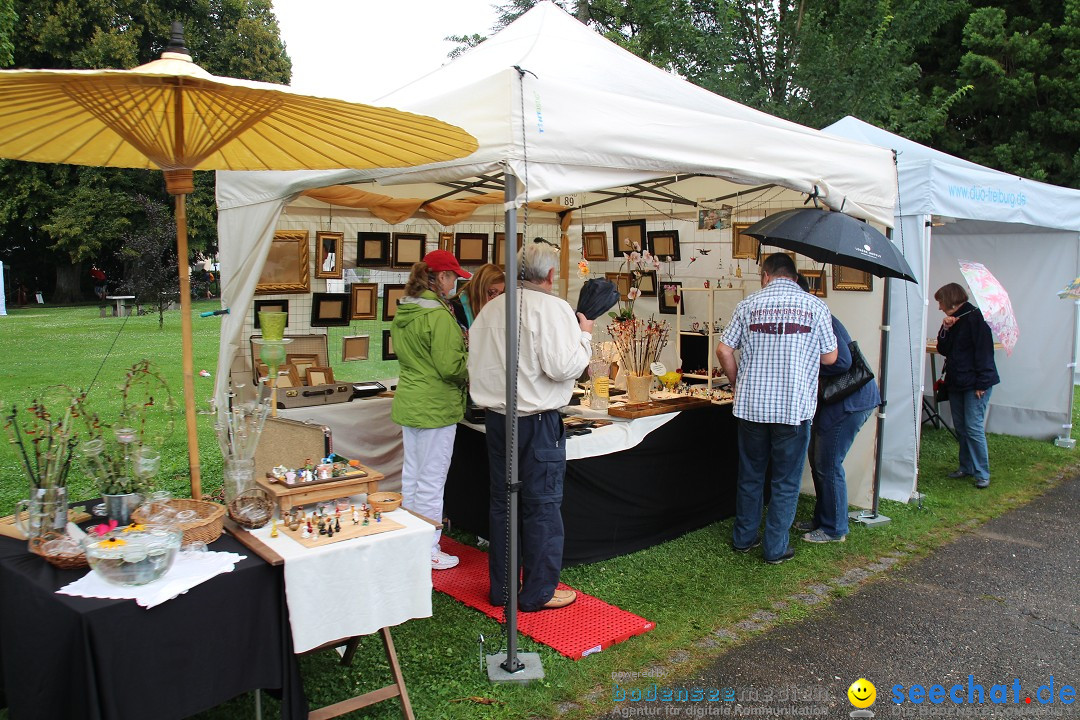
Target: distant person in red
(100,291)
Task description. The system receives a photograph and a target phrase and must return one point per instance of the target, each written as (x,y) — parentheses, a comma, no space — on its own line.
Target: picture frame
(471,248)
(625,234)
(287,377)
(372,249)
(329,249)
(286,268)
(743,246)
(270,306)
(767,250)
(845,278)
(317,375)
(647,283)
(355,347)
(816,280)
(500,247)
(446,241)
(408,249)
(667,297)
(392,292)
(623,281)
(329,309)
(388,346)
(365,301)
(594,246)
(664,244)
(302,361)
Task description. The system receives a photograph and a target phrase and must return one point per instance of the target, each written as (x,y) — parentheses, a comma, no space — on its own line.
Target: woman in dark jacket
(966,343)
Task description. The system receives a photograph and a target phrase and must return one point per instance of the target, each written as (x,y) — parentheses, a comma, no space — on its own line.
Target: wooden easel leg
(396,689)
(350,650)
(395,671)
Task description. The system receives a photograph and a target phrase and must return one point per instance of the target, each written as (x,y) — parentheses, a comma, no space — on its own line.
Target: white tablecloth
(357,586)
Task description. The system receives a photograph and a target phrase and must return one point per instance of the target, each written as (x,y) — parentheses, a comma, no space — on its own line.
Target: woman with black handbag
(836,423)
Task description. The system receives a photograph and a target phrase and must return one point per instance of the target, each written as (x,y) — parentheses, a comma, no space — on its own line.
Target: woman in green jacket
(430,396)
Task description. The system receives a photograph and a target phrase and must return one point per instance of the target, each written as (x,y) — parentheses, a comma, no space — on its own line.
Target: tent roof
(933,182)
(584,114)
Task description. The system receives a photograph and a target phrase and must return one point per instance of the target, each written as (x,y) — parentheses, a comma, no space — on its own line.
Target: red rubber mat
(585,627)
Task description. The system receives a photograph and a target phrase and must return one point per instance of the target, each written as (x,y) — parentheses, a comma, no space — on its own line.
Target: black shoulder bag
(834,388)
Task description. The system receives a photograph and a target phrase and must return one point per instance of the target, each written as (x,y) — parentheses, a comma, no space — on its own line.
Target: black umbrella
(597,296)
(833,237)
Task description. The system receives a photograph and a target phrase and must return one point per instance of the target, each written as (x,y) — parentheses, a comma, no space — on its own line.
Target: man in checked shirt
(784,334)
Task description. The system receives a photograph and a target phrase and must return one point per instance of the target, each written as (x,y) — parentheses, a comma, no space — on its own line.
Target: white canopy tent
(1028,234)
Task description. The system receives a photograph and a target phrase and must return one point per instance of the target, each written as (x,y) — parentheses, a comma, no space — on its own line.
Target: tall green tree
(7,27)
(54,217)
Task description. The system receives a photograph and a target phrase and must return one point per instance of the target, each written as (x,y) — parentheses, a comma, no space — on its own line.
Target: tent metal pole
(873,518)
(1065,439)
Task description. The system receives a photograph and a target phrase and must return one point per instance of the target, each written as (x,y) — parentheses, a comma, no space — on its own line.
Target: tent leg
(872,518)
(187,353)
(1065,439)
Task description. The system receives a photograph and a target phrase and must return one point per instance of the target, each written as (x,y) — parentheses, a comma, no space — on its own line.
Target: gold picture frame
(302,361)
(594,246)
(408,249)
(355,347)
(743,246)
(392,292)
(286,267)
(816,280)
(365,300)
(317,375)
(287,377)
(500,247)
(446,241)
(329,249)
(845,278)
(623,281)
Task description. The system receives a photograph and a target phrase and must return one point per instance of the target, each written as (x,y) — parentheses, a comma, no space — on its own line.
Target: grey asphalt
(1000,604)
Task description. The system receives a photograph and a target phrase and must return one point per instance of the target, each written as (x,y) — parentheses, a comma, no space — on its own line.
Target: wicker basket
(66,561)
(206,527)
(384,501)
(252,508)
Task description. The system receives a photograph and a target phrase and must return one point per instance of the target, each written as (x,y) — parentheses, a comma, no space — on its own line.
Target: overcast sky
(362,49)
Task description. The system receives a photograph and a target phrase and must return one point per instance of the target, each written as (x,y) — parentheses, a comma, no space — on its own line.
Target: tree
(7,24)
(151,273)
(54,216)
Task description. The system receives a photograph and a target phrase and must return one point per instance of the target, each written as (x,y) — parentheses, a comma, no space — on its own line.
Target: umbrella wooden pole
(186,333)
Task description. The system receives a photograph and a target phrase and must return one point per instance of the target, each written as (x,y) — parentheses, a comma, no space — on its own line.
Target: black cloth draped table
(97,659)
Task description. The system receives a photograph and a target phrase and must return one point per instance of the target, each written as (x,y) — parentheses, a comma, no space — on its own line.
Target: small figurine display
(355,516)
(273,529)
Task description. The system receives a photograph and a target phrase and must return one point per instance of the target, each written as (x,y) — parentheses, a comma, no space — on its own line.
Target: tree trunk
(67,284)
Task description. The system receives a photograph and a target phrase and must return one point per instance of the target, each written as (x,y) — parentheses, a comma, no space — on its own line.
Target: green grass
(689,587)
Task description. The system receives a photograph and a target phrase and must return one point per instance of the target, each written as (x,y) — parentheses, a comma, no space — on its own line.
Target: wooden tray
(288,496)
(348,531)
(318,481)
(658,407)
(8,529)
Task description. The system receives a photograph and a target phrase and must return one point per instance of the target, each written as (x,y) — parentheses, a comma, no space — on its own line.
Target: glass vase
(45,512)
(598,372)
(239,477)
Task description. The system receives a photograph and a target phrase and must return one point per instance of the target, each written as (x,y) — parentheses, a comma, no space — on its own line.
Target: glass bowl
(136,555)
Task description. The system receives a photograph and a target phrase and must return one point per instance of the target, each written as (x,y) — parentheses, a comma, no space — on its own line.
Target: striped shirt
(782,332)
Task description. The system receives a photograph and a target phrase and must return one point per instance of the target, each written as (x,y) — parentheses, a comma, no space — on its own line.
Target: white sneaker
(442,561)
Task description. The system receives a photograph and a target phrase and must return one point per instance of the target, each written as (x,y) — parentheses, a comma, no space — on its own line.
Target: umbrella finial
(176,42)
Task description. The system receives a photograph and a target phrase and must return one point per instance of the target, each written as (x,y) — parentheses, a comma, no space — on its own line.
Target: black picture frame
(330,309)
(372,249)
(270,306)
(667,304)
(664,244)
(408,249)
(391,293)
(623,234)
(647,284)
(388,346)
(471,248)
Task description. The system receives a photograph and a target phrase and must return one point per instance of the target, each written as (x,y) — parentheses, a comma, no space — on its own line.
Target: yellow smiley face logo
(862,693)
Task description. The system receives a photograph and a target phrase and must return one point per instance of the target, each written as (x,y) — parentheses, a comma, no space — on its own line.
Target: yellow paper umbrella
(173,115)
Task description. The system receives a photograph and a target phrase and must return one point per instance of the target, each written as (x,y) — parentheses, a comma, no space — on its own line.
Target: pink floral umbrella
(994,302)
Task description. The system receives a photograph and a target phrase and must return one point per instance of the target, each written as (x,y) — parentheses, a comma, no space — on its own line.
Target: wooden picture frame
(743,246)
(270,306)
(355,347)
(471,248)
(329,251)
(664,244)
(319,375)
(647,283)
(287,377)
(845,278)
(286,268)
(446,241)
(372,249)
(816,280)
(392,292)
(302,361)
(594,246)
(329,309)
(365,301)
(408,249)
(665,297)
(767,250)
(626,237)
(623,281)
(500,247)
(388,346)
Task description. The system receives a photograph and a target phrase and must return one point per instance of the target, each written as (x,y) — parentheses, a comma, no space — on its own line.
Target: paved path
(1000,603)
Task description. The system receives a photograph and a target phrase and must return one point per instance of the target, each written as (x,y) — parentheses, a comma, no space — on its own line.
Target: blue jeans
(828,448)
(969,417)
(785,446)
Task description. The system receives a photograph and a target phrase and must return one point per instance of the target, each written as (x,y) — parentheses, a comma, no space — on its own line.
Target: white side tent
(1027,234)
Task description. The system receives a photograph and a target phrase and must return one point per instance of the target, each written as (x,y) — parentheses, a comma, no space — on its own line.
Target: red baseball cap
(439,260)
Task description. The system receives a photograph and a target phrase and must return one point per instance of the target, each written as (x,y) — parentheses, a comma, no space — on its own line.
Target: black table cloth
(96,659)
(681,477)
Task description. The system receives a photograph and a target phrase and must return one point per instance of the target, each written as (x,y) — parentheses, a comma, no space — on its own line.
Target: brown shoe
(560,599)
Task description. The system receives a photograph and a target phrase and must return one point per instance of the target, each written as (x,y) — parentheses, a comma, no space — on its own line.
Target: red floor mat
(587,626)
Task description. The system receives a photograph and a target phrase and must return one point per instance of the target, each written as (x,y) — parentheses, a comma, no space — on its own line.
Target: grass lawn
(689,587)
